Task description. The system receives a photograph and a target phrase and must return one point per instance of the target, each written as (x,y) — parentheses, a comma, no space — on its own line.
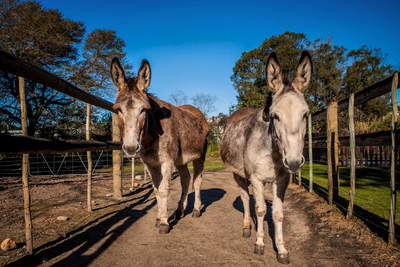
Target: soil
(122,232)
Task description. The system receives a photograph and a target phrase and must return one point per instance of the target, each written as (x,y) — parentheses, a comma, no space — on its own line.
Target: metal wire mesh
(57,164)
(57,195)
(373,208)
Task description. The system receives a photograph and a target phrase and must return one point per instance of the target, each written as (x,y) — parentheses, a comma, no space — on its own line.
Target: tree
(329,64)
(367,66)
(48,40)
(43,37)
(205,103)
(91,71)
(335,76)
(178,98)
(217,126)
(249,71)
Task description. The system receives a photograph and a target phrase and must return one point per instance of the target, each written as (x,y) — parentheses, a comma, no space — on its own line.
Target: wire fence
(372,156)
(372,194)
(59,164)
(57,189)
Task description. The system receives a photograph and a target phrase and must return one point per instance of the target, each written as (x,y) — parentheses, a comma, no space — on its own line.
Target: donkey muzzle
(293,164)
(131,150)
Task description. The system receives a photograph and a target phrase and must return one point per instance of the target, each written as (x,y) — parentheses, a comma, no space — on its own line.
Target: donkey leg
(260,210)
(198,166)
(161,189)
(185,181)
(279,190)
(244,195)
(156,178)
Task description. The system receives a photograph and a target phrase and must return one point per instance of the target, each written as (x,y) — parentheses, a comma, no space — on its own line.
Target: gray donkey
(264,145)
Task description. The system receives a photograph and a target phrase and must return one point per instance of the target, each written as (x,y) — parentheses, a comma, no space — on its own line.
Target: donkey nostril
(138,148)
(302,161)
(285,162)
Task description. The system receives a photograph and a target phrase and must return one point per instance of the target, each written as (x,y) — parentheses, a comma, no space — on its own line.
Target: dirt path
(315,234)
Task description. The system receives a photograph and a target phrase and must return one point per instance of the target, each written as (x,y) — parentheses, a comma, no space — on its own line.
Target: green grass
(211,164)
(372,194)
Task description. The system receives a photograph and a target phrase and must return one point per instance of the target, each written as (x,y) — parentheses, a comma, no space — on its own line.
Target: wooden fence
(331,142)
(30,145)
(371,149)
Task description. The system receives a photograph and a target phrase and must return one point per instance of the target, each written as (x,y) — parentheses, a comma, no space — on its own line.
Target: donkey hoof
(164,229)
(178,215)
(259,250)
(246,232)
(158,222)
(196,214)
(283,258)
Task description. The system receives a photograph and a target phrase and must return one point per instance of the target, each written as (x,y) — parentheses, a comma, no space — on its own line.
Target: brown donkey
(163,135)
(265,145)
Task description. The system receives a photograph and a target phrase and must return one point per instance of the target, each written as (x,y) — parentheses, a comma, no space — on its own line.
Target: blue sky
(192,46)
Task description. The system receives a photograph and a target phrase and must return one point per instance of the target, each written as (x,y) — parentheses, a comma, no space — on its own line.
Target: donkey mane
(287,82)
(286,79)
(268,103)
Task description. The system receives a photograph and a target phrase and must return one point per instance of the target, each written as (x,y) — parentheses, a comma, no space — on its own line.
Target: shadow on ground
(238,205)
(208,197)
(374,222)
(84,240)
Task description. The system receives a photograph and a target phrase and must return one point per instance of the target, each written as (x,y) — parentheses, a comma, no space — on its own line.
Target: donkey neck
(160,110)
(259,129)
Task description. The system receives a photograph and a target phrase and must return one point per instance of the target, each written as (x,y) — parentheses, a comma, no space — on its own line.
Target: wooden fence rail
(30,145)
(373,149)
(14,65)
(34,145)
(369,93)
(362,139)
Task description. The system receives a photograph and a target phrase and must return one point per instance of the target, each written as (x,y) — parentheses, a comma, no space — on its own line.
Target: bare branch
(178,98)
(205,103)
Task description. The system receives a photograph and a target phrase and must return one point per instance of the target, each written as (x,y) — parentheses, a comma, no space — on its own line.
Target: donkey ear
(118,74)
(144,76)
(273,73)
(303,72)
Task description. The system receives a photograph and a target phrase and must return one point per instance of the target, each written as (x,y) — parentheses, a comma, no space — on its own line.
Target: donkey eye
(275,117)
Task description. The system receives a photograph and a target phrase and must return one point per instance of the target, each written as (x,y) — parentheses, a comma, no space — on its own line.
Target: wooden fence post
(353,157)
(333,156)
(133,173)
(89,160)
(146,171)
(310,155)
(25,162)
(117,158)
(299,177)
(392,218)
